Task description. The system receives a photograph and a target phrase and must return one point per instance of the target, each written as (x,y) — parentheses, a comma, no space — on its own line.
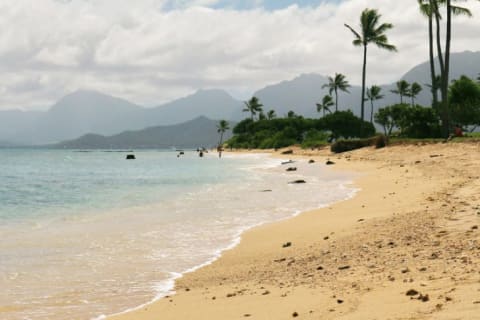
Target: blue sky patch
(247,4)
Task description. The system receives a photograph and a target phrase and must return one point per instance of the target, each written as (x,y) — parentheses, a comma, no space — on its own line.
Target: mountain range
(85,112)
(302,93)
(90,112)
(199,132)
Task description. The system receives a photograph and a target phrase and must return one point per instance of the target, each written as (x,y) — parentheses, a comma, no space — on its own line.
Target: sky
(153,51)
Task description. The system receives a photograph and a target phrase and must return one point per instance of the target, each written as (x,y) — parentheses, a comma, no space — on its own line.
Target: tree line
(456,102)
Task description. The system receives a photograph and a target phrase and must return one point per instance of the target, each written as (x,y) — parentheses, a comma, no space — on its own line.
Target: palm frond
(355,33)
(358,42)
(383,28)
(461,11)
(386,46)
(425,8)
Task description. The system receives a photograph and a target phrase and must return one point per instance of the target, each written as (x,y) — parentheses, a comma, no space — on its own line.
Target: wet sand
(407,246)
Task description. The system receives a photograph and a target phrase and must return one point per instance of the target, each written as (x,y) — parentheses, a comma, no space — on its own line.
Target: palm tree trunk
(432,57)
(371,112)
(401,98)
(413,100)
(446,72)
(336,99)
(439,42)
(364,74)
(221,139)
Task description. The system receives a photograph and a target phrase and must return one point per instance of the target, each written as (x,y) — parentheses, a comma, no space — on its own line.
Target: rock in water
(329,163)
(130,157)
(292,169)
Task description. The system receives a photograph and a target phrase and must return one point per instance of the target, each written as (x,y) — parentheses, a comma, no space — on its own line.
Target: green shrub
(340,146)
(314,139)
(346,125)
(349,145)
(421,123)
(464,95)
(412,121)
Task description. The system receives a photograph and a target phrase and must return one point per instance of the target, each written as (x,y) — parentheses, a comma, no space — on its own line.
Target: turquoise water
(49,182)
(86,234)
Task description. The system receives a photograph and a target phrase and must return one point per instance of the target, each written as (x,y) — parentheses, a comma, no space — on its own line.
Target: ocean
(88,234)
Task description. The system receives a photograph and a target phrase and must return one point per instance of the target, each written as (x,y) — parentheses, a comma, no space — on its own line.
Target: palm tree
(451,10)
(427,9)
(371,32)
(415,89)
(373,94)
(222,126)
(337,83)
(327,102)
(403,89)
(291,114)
(431,9)
(253,106)
(271,115)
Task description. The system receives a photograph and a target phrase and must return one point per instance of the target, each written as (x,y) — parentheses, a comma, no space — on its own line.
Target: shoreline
(237,239)
(254,279)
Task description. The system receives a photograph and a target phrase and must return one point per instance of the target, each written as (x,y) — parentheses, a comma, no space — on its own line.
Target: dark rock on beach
(298,182)
(130,157)
(412,292)
(291,169)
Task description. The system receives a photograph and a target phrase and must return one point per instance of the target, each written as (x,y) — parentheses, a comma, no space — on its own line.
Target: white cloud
(141,52)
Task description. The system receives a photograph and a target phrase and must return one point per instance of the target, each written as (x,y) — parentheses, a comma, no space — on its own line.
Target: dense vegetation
(282,132)
(402,120)
(454,110)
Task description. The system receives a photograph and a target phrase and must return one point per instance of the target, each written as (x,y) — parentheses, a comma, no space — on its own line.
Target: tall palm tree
(271,115)
(371,32)
(222,127)
(337,83)
(454,10)
(403,89)
(373,94)
(253,106)
(415,89)
(327,102)
(451,10)
(427,9)
(431,9)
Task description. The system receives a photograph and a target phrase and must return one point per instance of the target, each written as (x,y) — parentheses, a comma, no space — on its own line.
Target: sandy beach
(407,246)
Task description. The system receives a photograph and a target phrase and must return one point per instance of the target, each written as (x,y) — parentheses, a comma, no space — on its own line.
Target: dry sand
(412,227)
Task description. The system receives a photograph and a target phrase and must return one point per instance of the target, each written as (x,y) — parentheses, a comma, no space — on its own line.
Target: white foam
(166,287)
(182,233)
